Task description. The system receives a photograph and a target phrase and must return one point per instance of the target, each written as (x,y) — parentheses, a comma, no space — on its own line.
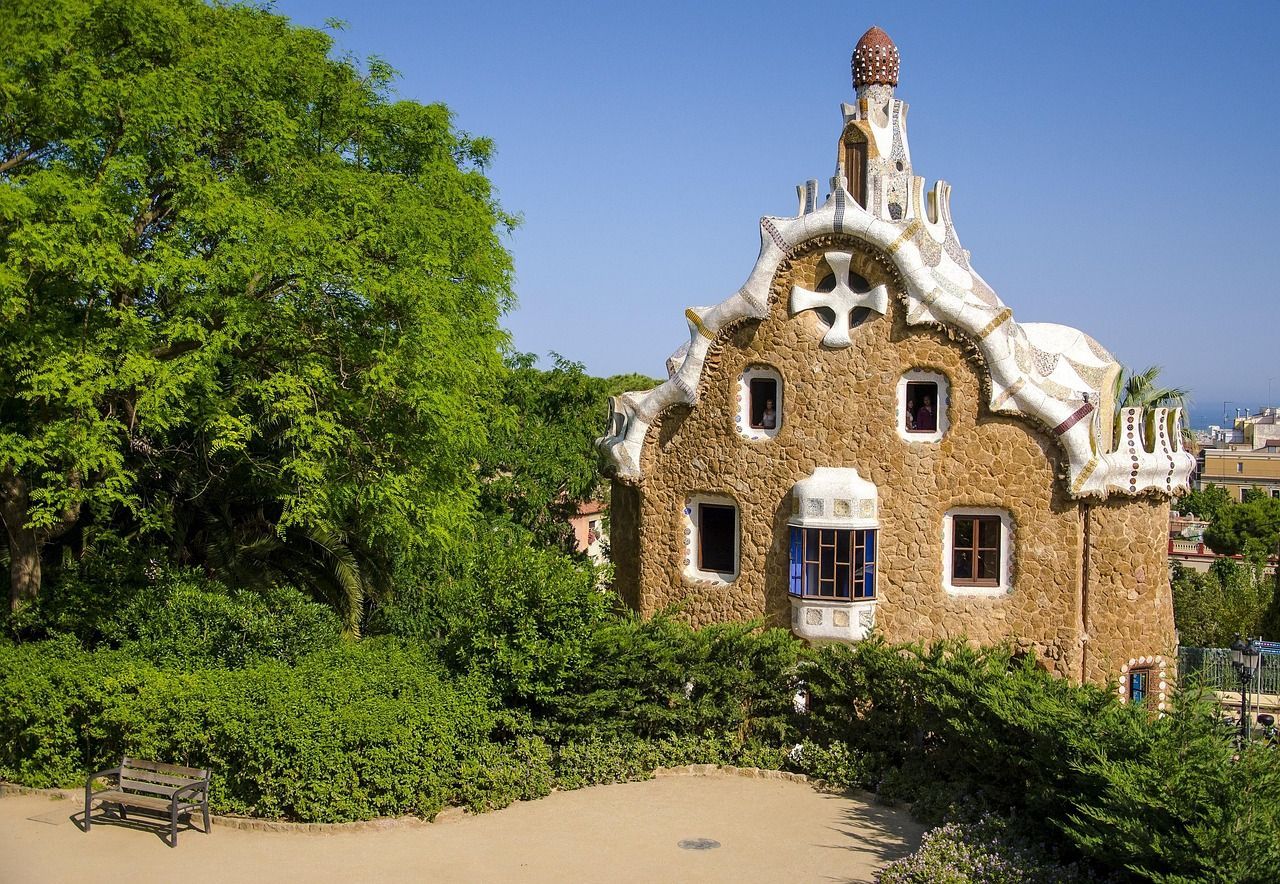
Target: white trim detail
(814,619)
(1157,683)
(689,520)
(742,417)
(1005,586)
(940,408)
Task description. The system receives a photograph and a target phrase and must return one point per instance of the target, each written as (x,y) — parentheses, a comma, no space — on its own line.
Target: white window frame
(742,420)
(941,407)
(1005,586)
(689,522)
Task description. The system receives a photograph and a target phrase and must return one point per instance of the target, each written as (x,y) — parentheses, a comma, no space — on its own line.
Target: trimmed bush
(356,732)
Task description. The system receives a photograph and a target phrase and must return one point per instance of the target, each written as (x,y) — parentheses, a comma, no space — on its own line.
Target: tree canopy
(248,299)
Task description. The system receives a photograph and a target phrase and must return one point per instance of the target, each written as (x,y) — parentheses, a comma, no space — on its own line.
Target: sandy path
(768,830)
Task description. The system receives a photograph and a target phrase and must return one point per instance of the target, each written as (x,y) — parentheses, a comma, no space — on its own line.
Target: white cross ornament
(842,300)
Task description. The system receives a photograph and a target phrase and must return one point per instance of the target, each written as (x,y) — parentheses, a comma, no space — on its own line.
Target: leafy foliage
(989,850)
(244,292)
(1251,527)
(1204,503)
(1231,599)
(542,463)
(521,615)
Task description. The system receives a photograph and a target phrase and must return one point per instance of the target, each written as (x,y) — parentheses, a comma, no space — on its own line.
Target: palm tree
(1143,390)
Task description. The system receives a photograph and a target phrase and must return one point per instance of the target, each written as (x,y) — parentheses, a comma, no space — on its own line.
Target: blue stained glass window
(833,563)
(797,561)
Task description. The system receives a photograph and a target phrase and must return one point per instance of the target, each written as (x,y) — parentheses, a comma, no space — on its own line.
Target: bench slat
(175,770)
(147,776)
(144,801)
(150,788)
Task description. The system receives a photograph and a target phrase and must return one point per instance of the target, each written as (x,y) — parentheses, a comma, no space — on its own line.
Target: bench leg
(88,806)
(124,814)
(205,807)
(173,825)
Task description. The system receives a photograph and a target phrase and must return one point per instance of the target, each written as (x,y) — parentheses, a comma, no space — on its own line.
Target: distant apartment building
(1240,469)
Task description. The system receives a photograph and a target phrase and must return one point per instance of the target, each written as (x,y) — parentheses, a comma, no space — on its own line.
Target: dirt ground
(767,830)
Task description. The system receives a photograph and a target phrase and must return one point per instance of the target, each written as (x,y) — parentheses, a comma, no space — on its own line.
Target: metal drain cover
(699,844)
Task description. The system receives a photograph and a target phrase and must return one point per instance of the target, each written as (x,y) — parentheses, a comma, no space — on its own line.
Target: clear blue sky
(1112,163)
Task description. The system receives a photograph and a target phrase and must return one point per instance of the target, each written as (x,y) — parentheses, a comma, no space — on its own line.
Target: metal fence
(1212,666)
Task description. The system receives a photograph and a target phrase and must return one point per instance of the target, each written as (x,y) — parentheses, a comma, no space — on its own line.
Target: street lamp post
(1245,657)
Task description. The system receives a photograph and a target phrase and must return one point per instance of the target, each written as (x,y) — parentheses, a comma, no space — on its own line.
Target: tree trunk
(24,542)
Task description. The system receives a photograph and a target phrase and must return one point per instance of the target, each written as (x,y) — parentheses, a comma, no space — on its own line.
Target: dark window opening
(921,411)
(833,563)
(855,169)
(764,403)
(975,550)
(717,536)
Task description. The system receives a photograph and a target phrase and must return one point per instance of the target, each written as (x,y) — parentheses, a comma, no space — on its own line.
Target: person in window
(924,417)
(769,418)
(911,414)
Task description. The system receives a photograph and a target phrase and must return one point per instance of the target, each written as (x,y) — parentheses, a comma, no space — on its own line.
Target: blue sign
(1269,647)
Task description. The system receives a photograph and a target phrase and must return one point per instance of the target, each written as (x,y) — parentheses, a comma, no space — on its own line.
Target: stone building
(862,436)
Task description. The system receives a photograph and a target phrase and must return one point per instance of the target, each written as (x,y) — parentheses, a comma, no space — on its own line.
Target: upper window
(977,550)
(833,563)
(711,538)
(1239,467)
(922,406)
(759,403)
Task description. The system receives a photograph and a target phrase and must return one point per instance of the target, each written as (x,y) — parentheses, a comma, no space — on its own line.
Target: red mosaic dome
(875,60)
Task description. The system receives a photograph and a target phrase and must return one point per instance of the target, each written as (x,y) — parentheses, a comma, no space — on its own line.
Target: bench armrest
(194,789)
(109,772)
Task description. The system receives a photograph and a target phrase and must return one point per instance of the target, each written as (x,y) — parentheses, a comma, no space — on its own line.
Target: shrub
(519,614)
(351,733)
(179,618)
(985,851)
(958,731)
(187,621)
(660,679)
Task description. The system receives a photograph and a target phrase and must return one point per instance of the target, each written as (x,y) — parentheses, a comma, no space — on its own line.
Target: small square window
(1139,685)
(976,552)
(1239,466)
(922,406)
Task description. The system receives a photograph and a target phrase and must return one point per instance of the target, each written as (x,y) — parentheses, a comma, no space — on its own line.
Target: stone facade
(1085,588)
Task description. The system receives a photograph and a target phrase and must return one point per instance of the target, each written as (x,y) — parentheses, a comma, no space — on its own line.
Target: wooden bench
(148,785)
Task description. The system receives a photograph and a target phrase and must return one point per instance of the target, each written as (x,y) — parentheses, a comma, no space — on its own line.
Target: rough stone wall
(839,409)
(1129,604)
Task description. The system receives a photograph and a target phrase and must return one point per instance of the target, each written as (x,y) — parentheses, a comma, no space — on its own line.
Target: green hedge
(378,728)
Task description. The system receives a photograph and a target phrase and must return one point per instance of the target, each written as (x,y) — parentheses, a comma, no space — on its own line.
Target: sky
(1112,164)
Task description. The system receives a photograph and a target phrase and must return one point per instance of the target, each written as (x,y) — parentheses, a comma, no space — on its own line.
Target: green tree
(1204,503)
(1230,599)
(543,463)
(1252,527)
(238,281)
